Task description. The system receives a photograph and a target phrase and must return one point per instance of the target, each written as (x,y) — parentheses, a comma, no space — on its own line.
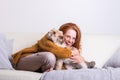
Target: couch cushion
(18,75)
(114,61)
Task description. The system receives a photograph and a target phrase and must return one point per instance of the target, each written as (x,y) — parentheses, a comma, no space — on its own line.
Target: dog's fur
(57,37)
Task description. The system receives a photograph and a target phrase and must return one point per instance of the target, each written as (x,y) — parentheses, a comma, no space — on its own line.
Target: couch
(97,47)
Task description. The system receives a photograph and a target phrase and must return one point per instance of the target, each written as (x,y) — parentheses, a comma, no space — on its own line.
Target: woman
(41,56)
(72,38)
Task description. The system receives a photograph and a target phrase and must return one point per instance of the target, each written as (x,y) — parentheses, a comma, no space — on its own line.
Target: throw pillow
(5,52)
(114,61)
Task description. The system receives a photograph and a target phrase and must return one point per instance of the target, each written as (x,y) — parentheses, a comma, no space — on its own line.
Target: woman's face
(70,37)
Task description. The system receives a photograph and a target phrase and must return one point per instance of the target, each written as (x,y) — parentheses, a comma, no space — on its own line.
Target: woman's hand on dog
(76,57)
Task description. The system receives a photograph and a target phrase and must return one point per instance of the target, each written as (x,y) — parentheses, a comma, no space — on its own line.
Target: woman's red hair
(73,26)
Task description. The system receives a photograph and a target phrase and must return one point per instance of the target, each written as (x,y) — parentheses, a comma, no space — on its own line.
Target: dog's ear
(52,30)
(50,33)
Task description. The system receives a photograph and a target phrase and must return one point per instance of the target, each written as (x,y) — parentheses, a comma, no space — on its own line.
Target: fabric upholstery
(5,52)
(114,61)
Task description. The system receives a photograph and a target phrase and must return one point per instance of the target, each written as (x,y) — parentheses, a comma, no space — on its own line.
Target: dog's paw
(91,64)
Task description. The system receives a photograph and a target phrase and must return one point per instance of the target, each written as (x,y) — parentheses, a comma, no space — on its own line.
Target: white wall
(93,16)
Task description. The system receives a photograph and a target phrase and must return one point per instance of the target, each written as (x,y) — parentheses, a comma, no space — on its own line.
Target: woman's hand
(76,57)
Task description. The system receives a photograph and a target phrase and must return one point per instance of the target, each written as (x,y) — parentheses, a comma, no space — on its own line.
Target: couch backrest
(94,47)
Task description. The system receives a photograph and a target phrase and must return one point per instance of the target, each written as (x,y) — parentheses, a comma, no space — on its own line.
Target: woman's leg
(41,61)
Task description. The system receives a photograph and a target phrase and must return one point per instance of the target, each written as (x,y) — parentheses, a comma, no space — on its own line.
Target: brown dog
(57,37)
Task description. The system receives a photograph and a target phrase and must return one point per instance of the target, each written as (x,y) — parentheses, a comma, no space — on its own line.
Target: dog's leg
(90,64)
(59,64)
(84,65)
(68,64)
(68,67)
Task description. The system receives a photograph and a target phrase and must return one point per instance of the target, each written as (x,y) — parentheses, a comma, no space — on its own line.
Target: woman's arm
(48,45)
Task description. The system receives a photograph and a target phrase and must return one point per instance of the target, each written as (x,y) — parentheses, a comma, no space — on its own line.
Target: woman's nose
(70,40)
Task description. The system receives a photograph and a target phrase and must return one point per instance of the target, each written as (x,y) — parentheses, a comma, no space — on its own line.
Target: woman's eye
(68,36)
(74,38)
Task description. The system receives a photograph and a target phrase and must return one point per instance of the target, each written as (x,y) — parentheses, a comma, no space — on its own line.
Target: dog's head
(56,36)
